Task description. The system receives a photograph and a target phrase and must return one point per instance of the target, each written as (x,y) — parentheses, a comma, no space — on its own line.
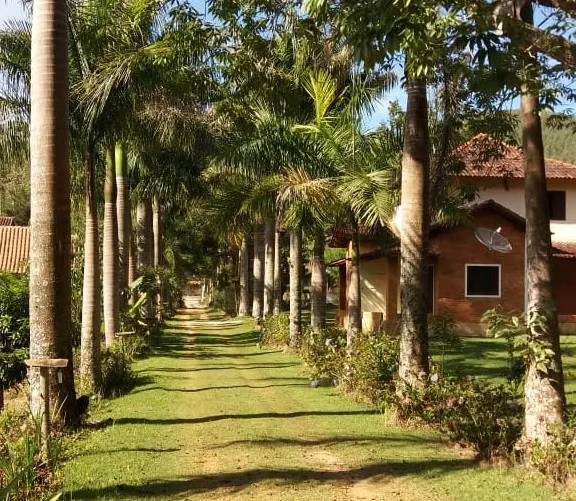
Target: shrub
(14,328)
(25,471)
(486,417)
(443,335)
(117,374)
(372,366)
(323,352)
(557,458)
(276,330)
(225,300)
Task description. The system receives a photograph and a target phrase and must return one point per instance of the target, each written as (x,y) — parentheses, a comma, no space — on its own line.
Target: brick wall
(459,247)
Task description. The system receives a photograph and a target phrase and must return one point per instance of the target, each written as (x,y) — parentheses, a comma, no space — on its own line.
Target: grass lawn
(487,358)
(216,418)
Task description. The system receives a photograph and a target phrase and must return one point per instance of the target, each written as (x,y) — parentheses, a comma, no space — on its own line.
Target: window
(482,280)
(557,205)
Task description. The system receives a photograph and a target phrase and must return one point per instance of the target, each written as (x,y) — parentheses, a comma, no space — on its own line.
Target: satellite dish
(493,239)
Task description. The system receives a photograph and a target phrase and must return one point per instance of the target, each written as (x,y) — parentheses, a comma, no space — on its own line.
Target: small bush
(117,374)
(323,352)
(225,300)
(443,335)
(276,330)
(486,417)
(25,472)
(556,459)
(372,366)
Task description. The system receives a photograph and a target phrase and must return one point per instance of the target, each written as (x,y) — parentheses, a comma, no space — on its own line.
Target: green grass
(216,418)
(487,358)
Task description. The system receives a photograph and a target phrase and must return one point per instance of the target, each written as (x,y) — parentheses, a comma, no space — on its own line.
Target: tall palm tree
(243,306)
(318,281)
(414,236)
(295,287)
(110,266)
(50,247)
(269,233)
(258,273)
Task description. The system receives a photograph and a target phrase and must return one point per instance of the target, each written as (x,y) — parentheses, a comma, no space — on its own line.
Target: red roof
(484,156)
(14,248)
(6,220)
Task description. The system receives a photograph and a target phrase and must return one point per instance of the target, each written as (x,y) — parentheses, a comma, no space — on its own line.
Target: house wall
(459,247)
(373,288)
(510,194)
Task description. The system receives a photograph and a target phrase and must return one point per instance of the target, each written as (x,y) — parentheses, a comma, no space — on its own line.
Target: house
(14,248)
(466,277)
(6,221)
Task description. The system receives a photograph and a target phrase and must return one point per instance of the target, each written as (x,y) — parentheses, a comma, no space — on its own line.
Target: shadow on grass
(230,387)
(241,479)
(222,417)
(128,449)
(354,439)
(243,367)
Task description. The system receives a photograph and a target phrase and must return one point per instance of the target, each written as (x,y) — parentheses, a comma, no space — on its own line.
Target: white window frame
(478,265)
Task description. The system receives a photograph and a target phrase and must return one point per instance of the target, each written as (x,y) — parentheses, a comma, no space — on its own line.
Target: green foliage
(276,330)
(323,352)
(225,300)
(26,472)
(527,334)
(443,334)
(557,458)
(14,327)
(117,374)
(372,366)
(486,417)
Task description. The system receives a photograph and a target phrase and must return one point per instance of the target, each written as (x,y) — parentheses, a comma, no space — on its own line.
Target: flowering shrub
(323,352)
(372,366)
(276,330)
(486,417)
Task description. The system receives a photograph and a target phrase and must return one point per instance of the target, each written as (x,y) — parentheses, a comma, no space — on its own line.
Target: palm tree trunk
(90,369)
(110,252)
(545,399)
(144,235)
(269,268)
(50,247)
(243,305)
(414,236)
(132,253)
(157,231)
(295,287)
(354,294)
(123,217)
(318,282)
(277,273)
(145,239)
(258,272)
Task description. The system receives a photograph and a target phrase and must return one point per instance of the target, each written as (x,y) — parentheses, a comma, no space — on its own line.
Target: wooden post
(45,365)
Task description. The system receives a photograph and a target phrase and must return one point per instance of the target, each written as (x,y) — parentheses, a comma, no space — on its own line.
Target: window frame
(478,265)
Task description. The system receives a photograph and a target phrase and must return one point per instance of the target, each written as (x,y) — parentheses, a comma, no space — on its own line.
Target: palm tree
(50,248)
(414,236)
(277,272)
(318,281)
(123,216)
(243,306)
(110,266)
(269,232)
(295,287)
(258,273)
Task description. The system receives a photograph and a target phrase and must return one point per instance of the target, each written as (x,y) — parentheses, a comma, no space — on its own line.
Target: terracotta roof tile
(6,220)
(14,248)
(484,156)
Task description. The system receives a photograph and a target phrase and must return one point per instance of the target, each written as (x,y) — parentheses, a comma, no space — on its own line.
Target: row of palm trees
(274,105)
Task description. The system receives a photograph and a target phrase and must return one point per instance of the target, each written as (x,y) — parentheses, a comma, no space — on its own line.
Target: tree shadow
(127,449)
(209,388)
(239,480)
(222,417)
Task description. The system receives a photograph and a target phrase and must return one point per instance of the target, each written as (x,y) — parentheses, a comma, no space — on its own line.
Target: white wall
(513,198)
(373,285)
